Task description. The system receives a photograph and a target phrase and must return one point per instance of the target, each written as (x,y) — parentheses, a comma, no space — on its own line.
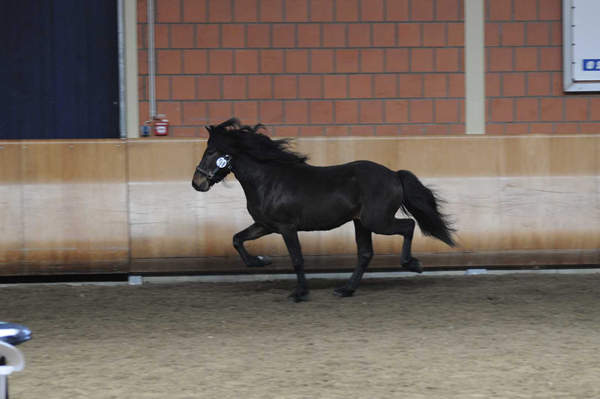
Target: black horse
(285,195)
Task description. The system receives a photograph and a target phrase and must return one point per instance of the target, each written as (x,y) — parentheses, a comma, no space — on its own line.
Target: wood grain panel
(11,206)
(75,202)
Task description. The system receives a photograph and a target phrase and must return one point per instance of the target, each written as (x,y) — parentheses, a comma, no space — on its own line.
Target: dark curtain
(59,69)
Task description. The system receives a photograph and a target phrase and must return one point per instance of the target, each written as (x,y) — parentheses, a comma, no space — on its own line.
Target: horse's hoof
(259,261)
(299,296)
(413,265)
(343,292)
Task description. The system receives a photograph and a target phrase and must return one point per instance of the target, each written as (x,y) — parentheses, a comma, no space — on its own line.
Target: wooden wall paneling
(11,208)
(75,203)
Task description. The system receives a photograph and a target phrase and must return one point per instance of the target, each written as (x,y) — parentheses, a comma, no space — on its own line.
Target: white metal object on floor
(13,361)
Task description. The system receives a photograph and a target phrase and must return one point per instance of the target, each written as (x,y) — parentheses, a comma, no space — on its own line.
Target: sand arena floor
(514,336)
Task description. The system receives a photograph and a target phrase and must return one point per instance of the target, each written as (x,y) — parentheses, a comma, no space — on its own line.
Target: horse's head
(214,166)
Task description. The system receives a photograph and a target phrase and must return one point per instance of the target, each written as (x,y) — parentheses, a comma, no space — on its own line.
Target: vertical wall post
(474,67)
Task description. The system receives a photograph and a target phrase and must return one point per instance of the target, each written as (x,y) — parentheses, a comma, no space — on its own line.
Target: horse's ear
(209,128)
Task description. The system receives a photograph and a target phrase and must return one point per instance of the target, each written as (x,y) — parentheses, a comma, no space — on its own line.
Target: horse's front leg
(251,233)
(290,236)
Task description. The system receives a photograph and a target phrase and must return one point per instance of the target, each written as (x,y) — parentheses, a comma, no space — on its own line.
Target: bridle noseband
(222,163)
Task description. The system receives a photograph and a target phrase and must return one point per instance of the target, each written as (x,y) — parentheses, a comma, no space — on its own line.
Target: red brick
(525,10)
(259,86)
(163,87)
(182,36)
(310,86)
(539,84)
(526,59)
(397,10)
(161,36)
(334,35)
(271,10)
(551,109)
(422,10)
(220,61)
(309,35)
(296,61)
(361,86)
(247,111)
(362,130)
(435,85)
(387,130)
(359,35)
(168,61)
(448,10)
(346,111)
(557,84)
(421,111)
(552,10)
(219,111)
(296,111)
(194,10)
(271,61)
(492,84)
(271,111)
(434,35)
(422,60)
(494,128)
(456,85)
(551,59)
(321,61)
(195,61)
(234,87)
(396,60)
(513,33)
(492,34)
(336,131)
(372,60)
(232,35)
(446,111)
(258,35)
(499,10)
(500,59)
(209,87)
(556,33)
(409,35)
(219,11)
(321,111)
(312,131)
(447,59)
(141,11)
(346,10)
(501,110)
(194,113)
(246,61)
(296,10)
(410,85)
(335,86)
(175,131)
(321,10)
(142,62)
(245,10)
(516,128)
(284,35)
(513,84)
(285,86)
(372,10)
(207,36)
(526,109)
(566,128)
(576,108)
(371,111)
(143,89)
(346,61)
(168,11)
(538,33)
(590,128)
(384,35)
(142,37)
(595,109)
(184,87)
(286,131)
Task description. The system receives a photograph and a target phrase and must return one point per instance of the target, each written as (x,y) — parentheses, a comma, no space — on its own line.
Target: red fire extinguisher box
(160,125)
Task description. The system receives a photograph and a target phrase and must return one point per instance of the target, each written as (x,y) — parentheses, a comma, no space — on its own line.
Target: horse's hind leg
(404,227)
(251,233)
(364,245)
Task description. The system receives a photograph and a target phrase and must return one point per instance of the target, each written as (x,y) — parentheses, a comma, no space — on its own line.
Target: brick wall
(308,67)
(524,82)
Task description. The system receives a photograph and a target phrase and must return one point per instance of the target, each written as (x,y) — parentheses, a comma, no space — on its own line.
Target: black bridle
(222,163)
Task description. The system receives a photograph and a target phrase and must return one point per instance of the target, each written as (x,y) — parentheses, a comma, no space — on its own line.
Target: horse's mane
(234,138)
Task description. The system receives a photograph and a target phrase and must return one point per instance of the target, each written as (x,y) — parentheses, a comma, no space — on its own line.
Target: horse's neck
(251,173)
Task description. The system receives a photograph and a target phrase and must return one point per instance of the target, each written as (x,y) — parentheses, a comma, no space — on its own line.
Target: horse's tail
(422,203)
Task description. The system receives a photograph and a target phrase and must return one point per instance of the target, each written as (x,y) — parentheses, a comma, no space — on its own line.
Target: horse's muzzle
(204,186)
